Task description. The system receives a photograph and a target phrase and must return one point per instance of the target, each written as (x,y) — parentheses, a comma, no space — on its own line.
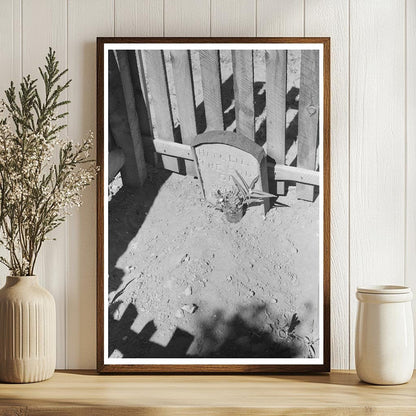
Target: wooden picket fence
(141,101)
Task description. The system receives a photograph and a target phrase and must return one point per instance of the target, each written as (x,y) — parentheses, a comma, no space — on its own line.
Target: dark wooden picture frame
(162,149)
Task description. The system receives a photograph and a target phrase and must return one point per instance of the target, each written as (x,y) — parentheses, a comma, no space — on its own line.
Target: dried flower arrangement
(41,175)
(233,202)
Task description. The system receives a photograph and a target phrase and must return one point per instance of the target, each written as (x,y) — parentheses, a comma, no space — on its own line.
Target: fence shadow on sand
(127,210)
(244,335)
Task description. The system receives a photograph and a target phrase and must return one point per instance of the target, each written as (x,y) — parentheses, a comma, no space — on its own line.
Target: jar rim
(384,289)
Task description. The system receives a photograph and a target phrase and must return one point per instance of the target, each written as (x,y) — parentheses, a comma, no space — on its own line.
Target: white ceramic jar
(27,331)
(384,352)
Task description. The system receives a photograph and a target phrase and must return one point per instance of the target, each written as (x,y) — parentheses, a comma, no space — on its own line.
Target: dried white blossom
(42,176)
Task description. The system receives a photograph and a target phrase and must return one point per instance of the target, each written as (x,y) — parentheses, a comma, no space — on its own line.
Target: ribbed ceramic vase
(384,352)
(27,331)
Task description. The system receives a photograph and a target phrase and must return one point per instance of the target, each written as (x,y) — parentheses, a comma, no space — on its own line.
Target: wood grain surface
(182,73)
(276,90)
(211,87)
(243,76)
(158,88)
(85,393)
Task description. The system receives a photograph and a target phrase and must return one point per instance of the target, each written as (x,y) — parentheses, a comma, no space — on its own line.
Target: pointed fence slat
(182,74)
(159,100)
(243,92)
(143,88)
(211,86)
(276,86)
(147,129)
(119,124)
(308,118)
(141,108)
(130,101)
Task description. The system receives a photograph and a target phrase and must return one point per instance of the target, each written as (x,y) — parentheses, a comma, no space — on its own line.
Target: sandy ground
(183,280)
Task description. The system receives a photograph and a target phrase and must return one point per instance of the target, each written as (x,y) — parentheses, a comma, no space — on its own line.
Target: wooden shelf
(86,393)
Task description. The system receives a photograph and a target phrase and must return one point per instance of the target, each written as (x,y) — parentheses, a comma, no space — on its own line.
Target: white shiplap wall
(373,131)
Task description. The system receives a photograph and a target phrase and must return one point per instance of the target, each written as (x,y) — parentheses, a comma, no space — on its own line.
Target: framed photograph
(213,205)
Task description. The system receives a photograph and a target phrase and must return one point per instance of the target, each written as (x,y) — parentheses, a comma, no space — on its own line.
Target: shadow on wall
(244,335)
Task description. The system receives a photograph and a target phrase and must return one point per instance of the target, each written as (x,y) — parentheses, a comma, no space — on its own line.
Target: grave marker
(219,154)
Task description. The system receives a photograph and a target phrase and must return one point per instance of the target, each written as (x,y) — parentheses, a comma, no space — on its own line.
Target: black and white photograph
(213,200)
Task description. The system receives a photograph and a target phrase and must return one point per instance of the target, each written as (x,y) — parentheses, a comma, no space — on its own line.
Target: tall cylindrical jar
(384,352)
(27,331)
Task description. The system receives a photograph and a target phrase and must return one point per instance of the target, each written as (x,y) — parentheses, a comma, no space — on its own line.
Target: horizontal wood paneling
(373,162)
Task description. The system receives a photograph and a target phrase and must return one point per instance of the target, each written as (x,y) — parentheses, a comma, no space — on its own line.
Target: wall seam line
(66,222)
(304,18)
(405,145)
(114,18)
(349,185)
(210,18)
(21,40)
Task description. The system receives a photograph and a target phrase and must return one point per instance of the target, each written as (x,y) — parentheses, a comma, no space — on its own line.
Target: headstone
(220,154)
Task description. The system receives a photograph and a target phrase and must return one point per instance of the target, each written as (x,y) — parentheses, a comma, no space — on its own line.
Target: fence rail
(164,112)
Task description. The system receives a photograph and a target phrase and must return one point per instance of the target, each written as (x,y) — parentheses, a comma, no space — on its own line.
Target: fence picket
(276,74)
(130,103)
(162,115)
(243,92)
(149,154)
(211,86)
(143,88)
(182,74)
(141,108)
(119,123)
(308,118)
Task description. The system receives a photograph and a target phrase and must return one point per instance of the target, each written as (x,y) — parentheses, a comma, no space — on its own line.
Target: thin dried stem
(41,175)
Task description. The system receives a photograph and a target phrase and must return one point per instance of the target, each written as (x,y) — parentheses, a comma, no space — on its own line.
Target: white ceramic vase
(27,331)
(384,352)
